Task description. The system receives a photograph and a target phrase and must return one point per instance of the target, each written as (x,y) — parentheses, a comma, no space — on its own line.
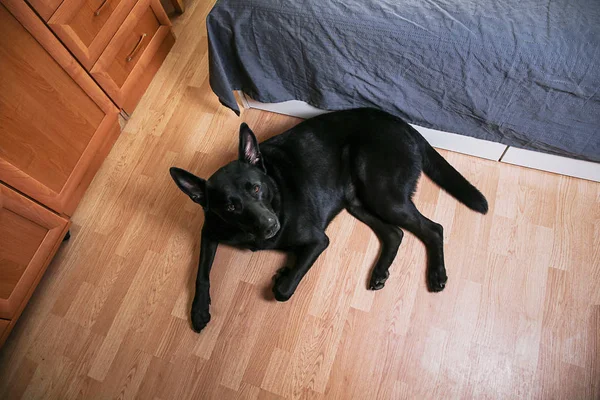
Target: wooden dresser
(67,69)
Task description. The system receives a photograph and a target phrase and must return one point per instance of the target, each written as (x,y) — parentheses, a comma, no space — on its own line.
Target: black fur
(283,194)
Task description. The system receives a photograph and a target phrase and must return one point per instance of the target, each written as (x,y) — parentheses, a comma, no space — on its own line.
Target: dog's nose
(271,230)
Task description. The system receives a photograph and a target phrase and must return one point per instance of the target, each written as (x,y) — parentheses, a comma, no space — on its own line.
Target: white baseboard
(242,98)
(551,163)
(460,144)
(294,108)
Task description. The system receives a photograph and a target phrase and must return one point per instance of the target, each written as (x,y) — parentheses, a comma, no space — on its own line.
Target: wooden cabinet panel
(50,127)
(86,26)
(16,250)
(29,236)
(5,328)
(45,7)
(133,55)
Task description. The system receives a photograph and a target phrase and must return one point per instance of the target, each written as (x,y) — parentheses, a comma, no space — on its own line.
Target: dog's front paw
(200,318)
(436,280)
(281,295)
(378,280)
(281,288)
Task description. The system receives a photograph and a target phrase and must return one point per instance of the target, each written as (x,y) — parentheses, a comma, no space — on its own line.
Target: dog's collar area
(276,202)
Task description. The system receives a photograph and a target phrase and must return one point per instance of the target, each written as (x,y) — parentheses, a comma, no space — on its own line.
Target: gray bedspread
(520,72)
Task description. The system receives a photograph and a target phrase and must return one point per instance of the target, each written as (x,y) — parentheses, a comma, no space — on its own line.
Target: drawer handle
(136,48)
(99,9)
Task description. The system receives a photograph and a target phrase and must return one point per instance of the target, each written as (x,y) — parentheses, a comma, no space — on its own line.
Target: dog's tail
(449,179)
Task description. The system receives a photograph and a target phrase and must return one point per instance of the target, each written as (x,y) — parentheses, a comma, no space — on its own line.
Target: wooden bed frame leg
(178,4)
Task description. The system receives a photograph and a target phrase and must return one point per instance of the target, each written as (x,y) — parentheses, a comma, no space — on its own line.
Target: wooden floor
(520,316)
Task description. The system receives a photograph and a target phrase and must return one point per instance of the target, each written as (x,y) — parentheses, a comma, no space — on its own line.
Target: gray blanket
(520,72)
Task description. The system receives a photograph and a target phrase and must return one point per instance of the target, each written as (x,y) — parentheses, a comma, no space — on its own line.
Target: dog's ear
(249,151)
(190,184)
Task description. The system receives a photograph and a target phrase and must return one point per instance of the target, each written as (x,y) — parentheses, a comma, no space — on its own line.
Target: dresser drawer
(86,26)
(29,236)
(134,54)
(56,125)
(45,8)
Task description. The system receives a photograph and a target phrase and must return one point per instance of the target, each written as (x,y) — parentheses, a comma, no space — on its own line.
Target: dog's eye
(230,207)
(256,188)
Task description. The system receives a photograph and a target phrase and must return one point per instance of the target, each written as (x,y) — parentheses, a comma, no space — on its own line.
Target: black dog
(285,193)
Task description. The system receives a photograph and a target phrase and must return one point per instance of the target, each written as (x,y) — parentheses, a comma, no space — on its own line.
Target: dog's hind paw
(378,282)
(436,281)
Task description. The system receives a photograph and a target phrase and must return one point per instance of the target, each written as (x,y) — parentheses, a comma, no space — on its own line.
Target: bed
(523,73)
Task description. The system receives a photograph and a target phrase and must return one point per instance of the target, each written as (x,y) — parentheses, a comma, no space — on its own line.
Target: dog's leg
(200,305)
(287,280)
(390,237)
(430,233)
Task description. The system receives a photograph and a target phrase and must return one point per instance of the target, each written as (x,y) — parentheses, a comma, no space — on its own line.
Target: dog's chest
(248,241)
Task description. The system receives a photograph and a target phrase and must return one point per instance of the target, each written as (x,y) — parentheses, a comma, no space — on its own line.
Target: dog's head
(240,193)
